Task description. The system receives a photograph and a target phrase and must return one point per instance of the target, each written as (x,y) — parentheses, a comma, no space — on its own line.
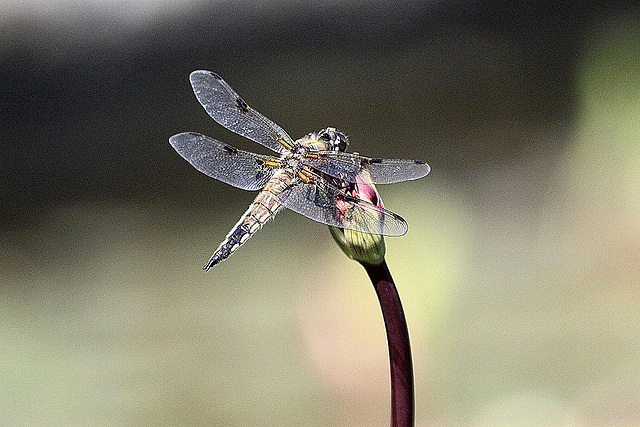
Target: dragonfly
(313,176)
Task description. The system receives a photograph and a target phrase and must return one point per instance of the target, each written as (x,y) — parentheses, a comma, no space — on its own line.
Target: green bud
(359,246)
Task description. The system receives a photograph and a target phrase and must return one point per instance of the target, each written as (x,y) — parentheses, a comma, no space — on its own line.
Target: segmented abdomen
(263,208)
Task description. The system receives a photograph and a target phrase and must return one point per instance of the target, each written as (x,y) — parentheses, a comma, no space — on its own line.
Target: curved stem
(402,400)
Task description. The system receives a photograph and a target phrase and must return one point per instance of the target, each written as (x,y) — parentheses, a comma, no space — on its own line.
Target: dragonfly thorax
(293,159)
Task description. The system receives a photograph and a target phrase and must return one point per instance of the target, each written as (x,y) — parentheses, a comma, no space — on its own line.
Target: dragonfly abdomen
(263,208)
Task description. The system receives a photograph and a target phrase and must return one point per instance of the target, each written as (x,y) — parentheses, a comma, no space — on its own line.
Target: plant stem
(402,400)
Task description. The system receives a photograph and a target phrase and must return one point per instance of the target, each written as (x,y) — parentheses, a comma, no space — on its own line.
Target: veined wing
(317,199)
(346,166)
(226,107)
(223,162)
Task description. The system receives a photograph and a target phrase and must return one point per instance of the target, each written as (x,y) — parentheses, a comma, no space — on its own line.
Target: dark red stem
(402,401)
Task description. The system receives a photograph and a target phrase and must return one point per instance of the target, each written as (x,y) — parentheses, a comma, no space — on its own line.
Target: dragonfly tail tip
(213,261)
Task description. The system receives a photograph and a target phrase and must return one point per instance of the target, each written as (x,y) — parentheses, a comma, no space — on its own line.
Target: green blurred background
(519,274)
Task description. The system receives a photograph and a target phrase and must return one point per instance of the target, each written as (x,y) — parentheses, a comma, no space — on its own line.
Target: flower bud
(362,247)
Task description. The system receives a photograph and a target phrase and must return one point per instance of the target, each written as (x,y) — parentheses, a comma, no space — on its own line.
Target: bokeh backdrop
(520,274)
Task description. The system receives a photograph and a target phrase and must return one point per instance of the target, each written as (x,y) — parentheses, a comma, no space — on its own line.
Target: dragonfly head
(335,139)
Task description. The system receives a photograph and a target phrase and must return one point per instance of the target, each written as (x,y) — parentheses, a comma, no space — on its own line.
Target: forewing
(346,166)
(320,201)
(226,107)
(223,162)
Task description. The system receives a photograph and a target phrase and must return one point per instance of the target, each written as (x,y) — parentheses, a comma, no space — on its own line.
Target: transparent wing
(319,200)
(346,166)
(226,107)
(223,162)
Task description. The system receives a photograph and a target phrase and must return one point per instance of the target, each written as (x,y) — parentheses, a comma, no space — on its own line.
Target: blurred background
(519,274)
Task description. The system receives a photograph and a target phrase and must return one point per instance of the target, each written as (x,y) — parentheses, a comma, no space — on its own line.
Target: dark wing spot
(214,75)
(229,149)
(260,176)
(242,106)
(370,161)
(419,162)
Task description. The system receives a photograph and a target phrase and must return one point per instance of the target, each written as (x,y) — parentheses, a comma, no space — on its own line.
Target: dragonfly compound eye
(324,136)
(341,141)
